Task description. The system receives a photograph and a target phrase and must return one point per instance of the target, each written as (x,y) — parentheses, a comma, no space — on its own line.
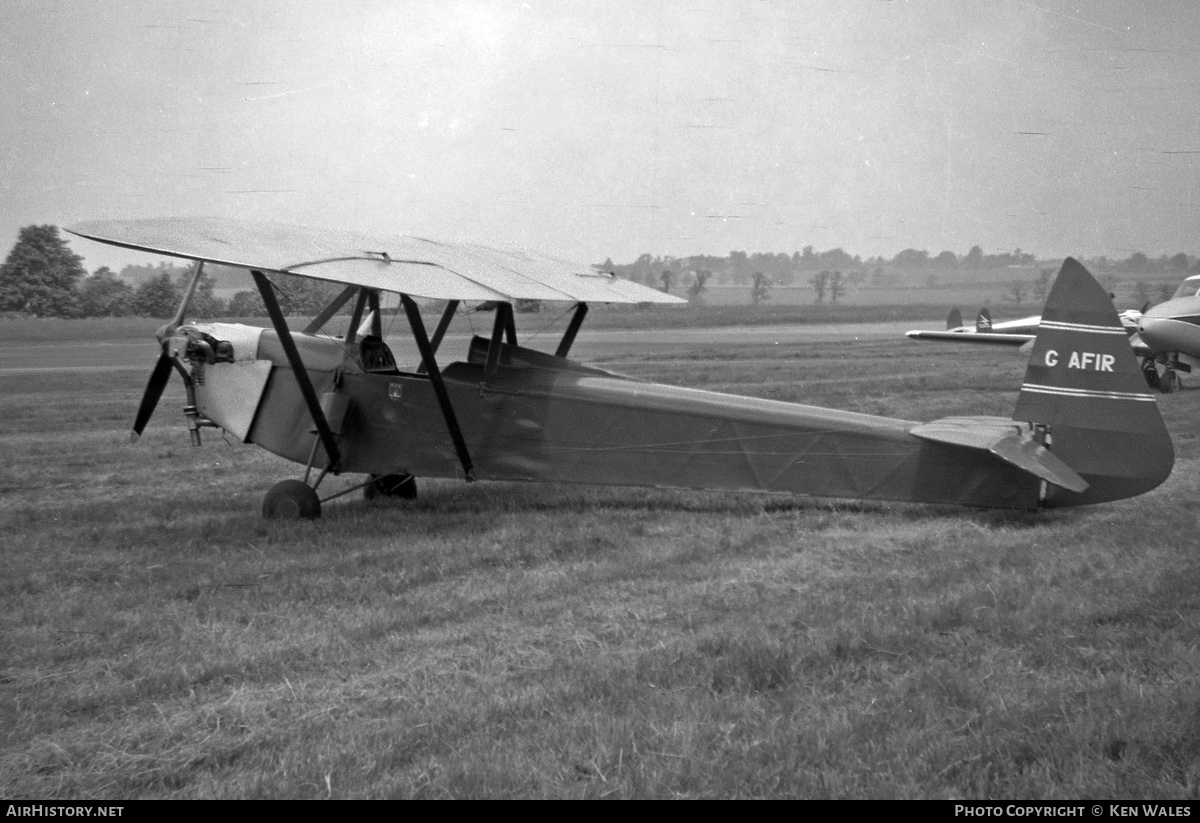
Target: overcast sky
(615,127)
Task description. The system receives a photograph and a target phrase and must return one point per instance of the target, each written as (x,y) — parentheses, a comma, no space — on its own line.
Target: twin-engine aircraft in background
(1169,334)
(1085,429)
(1166,337)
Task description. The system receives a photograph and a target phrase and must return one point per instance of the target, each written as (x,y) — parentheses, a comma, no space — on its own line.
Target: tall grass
(158,639)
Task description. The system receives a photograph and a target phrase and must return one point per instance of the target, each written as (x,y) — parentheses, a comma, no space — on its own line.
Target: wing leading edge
(397,263)
(993,338)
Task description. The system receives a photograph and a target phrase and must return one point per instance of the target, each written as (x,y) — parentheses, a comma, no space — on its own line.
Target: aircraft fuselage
(558,421)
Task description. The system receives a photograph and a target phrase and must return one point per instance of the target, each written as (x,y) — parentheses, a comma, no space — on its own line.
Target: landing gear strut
(1150,372)
(1169,381)
(403,486)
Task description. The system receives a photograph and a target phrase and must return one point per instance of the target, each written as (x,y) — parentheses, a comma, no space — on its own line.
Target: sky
(611,128)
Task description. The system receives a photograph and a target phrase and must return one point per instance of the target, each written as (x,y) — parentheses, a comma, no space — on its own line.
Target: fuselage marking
(1088,360)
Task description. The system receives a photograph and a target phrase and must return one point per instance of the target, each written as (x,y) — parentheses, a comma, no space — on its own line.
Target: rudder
(1085,386)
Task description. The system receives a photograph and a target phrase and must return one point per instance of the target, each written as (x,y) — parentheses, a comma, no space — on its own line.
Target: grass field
(158,639)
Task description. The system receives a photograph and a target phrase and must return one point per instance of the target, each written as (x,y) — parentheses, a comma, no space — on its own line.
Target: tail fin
(1085,386)
(953,319)
(983,320)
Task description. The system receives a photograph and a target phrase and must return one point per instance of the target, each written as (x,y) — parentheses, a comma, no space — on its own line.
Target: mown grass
(158,639)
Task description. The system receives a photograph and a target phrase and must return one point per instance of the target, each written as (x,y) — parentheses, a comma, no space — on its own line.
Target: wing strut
(581,310)
(439,388)
(440,331)
(293,355)
(330,310)
(504,327)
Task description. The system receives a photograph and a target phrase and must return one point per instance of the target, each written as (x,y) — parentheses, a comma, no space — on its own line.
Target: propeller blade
(154,390)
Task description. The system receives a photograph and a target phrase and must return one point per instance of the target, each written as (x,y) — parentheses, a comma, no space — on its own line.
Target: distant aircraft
(1007,333)
(1085,429)
(1168,335)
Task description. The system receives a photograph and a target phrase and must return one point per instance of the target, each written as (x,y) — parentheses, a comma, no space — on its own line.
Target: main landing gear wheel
(403,486)
(1150,372)
(291,499)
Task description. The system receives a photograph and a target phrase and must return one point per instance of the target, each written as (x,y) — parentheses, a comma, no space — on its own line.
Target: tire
(1150,372)
(291,500)
(403,486)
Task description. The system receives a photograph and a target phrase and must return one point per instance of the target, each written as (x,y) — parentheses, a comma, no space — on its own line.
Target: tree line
(829,272)
(739,267)
(42,277)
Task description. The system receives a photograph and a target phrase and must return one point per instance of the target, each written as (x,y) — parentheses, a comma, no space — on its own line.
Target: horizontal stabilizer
(1007,440)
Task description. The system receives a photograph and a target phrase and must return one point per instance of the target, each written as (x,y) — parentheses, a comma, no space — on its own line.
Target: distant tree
(946,260)
(1021,258)
(642,269)
(911,259)
(1016,291)
(1166,291)
(1141,292)
(739,267)
(1041,284)
(204,304)
(156,298)
(105,295)
(40,274)
(139,274)
(699,284)
(974,258)
(1179,262)
(1110,282)
(304,296)
(820,283)
(760,288)
(836,258)
(247,304)
(1137,262)
(837,286)
(666,277)
(808,258)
